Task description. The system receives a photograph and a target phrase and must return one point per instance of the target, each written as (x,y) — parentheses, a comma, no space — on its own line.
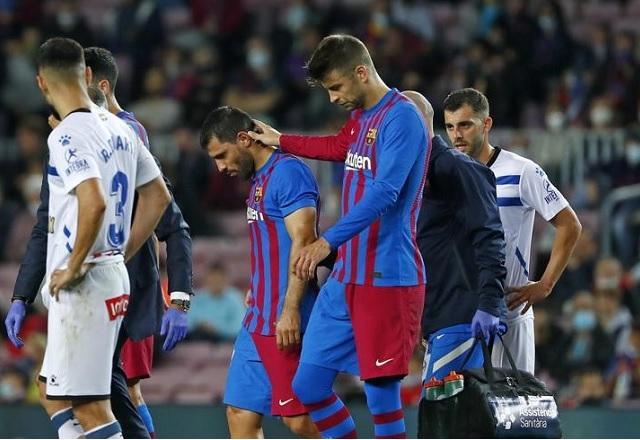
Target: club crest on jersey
(65,140)
(257,195)
(371,136)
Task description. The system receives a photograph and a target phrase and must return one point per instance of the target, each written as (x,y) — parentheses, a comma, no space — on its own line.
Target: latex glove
(484,324)
(13,322)
(174,326)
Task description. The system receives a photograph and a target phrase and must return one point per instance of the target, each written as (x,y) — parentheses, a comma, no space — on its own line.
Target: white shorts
(520,340)
(83,328)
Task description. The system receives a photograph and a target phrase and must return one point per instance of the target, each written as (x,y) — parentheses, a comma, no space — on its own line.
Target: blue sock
(383,400)
(110,430)
(143,410)
(314,387)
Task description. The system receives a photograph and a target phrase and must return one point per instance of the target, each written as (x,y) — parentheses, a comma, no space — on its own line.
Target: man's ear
(104,86)
(88,75)
(244,140)
(488,123)
(362,73)
(42,84)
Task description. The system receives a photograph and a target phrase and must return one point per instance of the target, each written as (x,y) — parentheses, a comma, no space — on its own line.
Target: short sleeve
(147,168)
(71,158)
(296,187)
(537,192)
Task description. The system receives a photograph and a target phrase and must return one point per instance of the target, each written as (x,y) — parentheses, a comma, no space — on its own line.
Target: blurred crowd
(544,64)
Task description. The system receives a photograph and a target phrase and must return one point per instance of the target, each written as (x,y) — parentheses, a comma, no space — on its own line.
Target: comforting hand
(309,257)
(66,278)
(13,322)
(288,329)
(174,326)
(529,294)
(484,324)
(265,134)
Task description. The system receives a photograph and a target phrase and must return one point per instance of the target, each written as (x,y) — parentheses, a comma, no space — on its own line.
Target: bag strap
(488,367)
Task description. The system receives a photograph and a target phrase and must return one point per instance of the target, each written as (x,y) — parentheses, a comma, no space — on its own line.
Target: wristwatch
(183,304)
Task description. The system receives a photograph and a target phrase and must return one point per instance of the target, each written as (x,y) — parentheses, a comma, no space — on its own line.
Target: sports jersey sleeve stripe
(509,201)
(508,180)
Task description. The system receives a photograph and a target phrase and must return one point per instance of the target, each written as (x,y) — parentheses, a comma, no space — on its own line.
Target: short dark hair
(225,123)
(103,64)
(468,96)
(336,52)
(62,54)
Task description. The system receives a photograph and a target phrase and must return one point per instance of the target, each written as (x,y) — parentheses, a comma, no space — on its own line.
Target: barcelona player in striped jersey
(367,317)
(282,216)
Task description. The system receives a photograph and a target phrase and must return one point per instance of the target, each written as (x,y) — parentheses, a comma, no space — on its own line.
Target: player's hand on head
(528,294)
(288,329)
(174,327)
(265,134)
(309,257)
(13,322)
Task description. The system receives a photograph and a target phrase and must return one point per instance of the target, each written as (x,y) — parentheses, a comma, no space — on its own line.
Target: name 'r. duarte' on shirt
(116,143)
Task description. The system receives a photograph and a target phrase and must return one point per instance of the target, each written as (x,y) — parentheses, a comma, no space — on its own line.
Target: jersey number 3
(119,189)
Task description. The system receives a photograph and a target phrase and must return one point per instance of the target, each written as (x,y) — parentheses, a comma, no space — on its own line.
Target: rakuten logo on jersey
(253,215)
(357,162)
(117,306)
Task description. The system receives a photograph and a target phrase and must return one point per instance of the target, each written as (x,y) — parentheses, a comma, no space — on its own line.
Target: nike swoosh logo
(281,403)
(347,167)
(381,363)
(439,336)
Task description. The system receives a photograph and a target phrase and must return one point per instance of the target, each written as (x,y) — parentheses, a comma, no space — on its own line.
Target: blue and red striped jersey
(135,125)
(280,187)
(385,150)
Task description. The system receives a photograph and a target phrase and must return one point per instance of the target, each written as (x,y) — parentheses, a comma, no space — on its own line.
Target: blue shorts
(248,386)
(447,349)
(329,340)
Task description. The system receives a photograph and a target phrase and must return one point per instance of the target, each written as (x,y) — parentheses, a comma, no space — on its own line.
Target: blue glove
(174,325)
(484,324)
(13,322)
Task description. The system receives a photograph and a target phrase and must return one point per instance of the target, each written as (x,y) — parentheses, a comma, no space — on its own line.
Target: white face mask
(632,153)
(601,116)
(555,120)
(258,59)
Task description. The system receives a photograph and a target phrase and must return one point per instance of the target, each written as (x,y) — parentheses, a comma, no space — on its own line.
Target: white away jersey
(94,144)
(523,189)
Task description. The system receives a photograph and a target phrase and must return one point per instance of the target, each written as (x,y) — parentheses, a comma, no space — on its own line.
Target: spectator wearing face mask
(13,385)
(614,317)
(586,343)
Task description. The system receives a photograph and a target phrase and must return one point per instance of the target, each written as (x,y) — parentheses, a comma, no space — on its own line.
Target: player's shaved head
(468,96)
(224,123)
(61,58)
(341,53)
(423,105)
(102,64)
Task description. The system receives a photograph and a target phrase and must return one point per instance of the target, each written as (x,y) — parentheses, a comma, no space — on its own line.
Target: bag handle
(489,370)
